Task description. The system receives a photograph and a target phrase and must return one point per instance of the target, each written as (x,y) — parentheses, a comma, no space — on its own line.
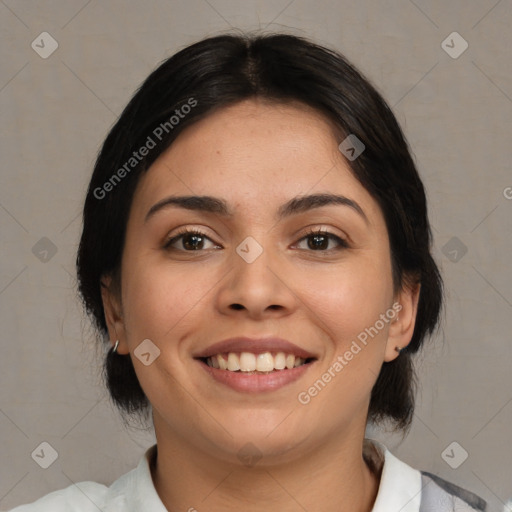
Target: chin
(267,446)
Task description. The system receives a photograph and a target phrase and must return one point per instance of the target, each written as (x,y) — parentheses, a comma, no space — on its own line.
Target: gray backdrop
(455,105)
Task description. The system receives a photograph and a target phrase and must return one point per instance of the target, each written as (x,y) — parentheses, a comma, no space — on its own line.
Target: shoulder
(82,496)
(133,491)
(440,495)
(405,488)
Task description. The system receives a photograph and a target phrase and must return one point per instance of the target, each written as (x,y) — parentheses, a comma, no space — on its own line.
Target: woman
(256,247)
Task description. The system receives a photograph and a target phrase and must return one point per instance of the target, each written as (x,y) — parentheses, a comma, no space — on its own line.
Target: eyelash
(312,232)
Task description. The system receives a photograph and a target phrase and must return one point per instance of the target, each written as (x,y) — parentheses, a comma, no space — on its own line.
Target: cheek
(159,299)
(347,307)
(162,303)
(349,299)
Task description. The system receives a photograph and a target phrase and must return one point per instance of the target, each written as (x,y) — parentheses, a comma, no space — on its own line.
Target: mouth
(247,372)
(249,363)
(255,365)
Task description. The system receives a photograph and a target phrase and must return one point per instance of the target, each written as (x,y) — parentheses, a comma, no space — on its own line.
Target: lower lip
(256,383)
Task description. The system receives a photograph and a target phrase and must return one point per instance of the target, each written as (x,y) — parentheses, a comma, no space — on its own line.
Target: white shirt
(401,488)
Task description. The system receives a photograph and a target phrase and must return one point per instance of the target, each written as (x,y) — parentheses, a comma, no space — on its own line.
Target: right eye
(191,240)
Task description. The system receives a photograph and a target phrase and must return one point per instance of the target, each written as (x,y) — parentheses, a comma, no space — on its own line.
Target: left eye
(194,240)
(320,240)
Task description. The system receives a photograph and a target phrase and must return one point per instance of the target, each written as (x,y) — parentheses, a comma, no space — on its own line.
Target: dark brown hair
(220,71)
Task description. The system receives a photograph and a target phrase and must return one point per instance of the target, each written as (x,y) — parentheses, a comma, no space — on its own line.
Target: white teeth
(265,362)
(280,361)
(223,364)
(249,362)
(233,362)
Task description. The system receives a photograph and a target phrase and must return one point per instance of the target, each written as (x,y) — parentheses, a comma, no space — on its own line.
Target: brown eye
(191,240)
(319,241)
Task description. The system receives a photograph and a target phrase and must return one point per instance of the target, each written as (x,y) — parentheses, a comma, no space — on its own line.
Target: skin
(256,156)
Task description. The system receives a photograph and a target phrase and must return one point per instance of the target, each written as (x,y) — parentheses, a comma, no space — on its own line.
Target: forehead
(256,127)
(253,153)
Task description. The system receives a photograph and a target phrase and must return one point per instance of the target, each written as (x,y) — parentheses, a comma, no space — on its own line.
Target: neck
(332,478)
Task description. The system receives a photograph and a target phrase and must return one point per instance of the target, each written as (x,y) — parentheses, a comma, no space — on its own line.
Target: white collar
(399,488)
(135,491)
(400,484)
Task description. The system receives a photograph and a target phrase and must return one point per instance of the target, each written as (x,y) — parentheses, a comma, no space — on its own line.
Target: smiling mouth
(250,364)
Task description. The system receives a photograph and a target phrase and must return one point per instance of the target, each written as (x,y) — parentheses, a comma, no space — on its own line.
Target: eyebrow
(218,206)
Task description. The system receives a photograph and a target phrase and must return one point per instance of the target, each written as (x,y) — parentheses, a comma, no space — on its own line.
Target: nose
(259,283)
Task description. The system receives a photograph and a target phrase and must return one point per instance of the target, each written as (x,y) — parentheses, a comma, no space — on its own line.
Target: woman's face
(257,273)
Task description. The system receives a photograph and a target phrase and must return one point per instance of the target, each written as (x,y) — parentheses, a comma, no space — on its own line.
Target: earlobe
(401,330)
(113,314)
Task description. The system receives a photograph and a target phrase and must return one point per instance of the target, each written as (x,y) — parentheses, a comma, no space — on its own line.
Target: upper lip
(255,346)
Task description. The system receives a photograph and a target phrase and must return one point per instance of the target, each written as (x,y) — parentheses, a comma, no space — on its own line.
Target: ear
(402,328)
(113,314)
